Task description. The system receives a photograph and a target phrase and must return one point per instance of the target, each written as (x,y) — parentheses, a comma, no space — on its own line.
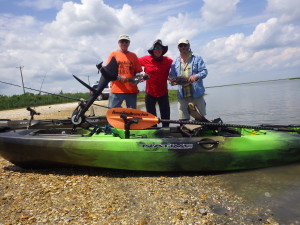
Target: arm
(173,72)
(201,72)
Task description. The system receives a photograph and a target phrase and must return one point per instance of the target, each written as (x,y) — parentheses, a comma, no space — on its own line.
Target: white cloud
(81,36)
(175,27)
(94,17)
(84,34)
(42,4)
(218,12)
(273,34)
(271,48)
(214,14)
(286,10)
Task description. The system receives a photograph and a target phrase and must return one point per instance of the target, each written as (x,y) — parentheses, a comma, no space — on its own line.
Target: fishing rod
(62,96)
(108,73)
(42,84)
(117,117)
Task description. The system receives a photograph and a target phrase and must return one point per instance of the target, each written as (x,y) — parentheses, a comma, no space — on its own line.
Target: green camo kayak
(160,149)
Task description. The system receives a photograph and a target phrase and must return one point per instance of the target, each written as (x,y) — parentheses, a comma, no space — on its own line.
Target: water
(277,102)
(269,102)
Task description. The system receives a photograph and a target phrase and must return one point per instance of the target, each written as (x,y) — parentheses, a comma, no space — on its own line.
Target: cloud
(212,16)
(175,27)
(238,47)
(217,13)
(286,10)
(81,36)
(93,17)
(271,49)
(273,34)
(42,4)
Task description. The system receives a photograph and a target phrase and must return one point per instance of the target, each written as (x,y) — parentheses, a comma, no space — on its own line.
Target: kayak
(152,149)
(131,142)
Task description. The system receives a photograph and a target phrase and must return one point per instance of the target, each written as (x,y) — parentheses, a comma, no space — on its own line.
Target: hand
(140,74)
(173,83)
(123,79)
(193,78)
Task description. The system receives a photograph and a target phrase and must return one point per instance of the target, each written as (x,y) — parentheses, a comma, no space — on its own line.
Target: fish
(138,78)
(180,80)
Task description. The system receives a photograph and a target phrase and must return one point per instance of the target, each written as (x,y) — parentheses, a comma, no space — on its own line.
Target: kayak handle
(208,144)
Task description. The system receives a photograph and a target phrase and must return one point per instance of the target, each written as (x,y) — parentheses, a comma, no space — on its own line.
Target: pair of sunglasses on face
(124,41)
(182,45)
(158,47)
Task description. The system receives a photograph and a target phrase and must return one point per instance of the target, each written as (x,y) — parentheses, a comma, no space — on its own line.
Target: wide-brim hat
(158,41)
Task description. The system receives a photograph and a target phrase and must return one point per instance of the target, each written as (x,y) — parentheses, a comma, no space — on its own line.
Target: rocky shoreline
(80,195)
(102,196)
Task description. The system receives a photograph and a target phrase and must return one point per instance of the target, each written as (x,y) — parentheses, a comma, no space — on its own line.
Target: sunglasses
(124,41)
(182,45)
(158,47)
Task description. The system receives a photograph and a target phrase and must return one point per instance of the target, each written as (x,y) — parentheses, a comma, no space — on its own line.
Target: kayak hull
(150,150)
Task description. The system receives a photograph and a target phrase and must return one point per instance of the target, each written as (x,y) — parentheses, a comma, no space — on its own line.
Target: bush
(32,100)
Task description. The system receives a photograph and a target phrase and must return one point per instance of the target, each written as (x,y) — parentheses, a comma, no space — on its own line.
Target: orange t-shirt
(128,65)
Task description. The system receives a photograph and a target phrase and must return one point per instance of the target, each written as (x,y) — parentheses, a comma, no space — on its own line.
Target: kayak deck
(163,149)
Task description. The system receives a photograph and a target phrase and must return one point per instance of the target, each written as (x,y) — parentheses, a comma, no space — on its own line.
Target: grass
(30,99)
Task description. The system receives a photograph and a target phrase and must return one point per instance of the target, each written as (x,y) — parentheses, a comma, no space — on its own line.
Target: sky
(239,40)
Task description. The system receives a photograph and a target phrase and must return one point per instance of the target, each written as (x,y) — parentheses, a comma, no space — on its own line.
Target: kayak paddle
(144,120)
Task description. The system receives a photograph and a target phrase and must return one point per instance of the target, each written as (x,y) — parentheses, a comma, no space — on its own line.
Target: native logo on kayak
(130,113)
(169,146)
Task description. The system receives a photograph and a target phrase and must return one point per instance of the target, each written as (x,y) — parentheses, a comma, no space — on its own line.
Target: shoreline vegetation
(33,100)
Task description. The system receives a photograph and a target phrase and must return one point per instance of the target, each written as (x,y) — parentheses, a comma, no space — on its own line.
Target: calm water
(268,102)
(275,102)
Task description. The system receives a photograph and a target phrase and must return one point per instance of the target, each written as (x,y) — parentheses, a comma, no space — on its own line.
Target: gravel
(82,195)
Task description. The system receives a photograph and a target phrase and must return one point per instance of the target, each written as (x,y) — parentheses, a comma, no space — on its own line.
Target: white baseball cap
(124,37)
(183,41)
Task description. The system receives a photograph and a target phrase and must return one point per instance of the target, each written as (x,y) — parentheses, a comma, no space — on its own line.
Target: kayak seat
(190,130)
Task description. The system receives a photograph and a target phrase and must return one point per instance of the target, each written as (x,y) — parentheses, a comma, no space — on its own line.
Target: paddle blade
(144,119)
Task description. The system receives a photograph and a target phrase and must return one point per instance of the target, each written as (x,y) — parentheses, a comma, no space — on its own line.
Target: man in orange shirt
(128,66)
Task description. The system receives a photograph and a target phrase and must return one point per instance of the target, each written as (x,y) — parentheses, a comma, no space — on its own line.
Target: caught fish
(181,80)
(138,78)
